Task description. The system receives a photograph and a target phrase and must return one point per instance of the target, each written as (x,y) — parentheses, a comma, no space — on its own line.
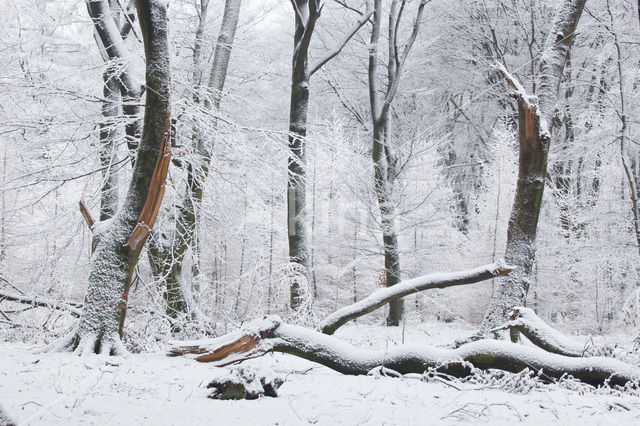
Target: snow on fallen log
(73,308)
(405,288)
(541,334)
(271,335)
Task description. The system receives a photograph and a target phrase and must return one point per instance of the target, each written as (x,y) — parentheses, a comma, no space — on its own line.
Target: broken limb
(541,334)
(271,335)
(405,288)
(74,309)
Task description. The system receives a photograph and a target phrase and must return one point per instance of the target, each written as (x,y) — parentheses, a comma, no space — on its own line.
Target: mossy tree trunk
(114,260)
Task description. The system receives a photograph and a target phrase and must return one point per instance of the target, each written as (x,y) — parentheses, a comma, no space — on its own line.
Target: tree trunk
(534,122)
(184,234)
(384,160)
(116,255)
(271,335)
(307,12)
(384,177)
(108,146)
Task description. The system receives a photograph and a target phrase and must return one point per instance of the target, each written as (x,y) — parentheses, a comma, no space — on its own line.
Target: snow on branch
(405,288)
(74,309)
(541,334)
(519,91)
(272,335)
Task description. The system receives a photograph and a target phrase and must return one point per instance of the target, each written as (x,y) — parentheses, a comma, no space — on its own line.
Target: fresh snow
(63,389)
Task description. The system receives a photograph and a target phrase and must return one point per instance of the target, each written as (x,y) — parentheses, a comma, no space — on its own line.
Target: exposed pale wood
(151,206)
(272,335)
(243,344)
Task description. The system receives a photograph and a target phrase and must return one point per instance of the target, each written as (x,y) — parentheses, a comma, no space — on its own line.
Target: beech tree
(122,237)
(385,161)
(168,259)
(535,124)
(307,13)
(112,27)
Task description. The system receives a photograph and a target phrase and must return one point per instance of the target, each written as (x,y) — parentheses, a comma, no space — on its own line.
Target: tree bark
(307,12)
(384,160)
(116,255)
(171,258)
(534,135)
(271,335)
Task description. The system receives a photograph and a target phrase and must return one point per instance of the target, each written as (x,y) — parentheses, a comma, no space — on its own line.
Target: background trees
(454,139)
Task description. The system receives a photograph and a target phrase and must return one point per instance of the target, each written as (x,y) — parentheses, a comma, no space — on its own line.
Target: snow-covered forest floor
(151,388)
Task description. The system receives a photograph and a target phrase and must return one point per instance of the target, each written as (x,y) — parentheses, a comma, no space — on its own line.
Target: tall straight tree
(535,122)
(118,250)
(169,260)
(307,13)
(118,82)
(384,158)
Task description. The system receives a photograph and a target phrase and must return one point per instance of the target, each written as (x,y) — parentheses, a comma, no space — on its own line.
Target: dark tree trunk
(534,135)
(384,160)
(307,12)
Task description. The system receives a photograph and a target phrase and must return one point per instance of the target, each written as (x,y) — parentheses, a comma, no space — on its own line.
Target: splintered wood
(243,344)
(149,212)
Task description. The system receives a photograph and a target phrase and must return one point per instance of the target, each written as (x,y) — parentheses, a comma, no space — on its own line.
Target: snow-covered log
(271,335)
(72,308)
(405,288)
(541,334)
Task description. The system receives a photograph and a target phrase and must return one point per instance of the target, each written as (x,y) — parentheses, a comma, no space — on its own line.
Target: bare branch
(348,36)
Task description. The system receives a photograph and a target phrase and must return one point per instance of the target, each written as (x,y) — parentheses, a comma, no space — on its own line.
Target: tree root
(89,344)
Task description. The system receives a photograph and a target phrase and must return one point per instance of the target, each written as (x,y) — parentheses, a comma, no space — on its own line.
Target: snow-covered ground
(60,388)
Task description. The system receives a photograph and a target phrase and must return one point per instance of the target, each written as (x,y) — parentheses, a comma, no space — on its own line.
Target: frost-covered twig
(74,309)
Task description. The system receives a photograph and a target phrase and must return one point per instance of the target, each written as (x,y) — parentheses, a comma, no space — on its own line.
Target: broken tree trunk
(535,125)
(405,288)
(116,255)
(271,335)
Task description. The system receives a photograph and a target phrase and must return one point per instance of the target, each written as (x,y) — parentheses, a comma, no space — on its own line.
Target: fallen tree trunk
(541,334)
(74,309)
(271,335)
(405,288)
